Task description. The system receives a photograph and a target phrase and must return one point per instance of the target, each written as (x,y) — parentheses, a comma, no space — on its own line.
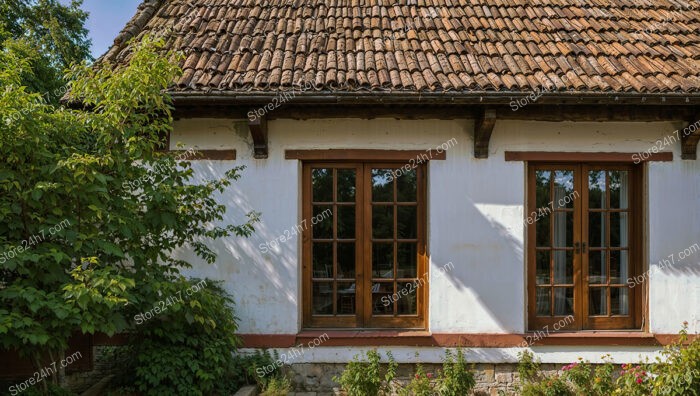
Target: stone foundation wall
(491,379)
(108,360)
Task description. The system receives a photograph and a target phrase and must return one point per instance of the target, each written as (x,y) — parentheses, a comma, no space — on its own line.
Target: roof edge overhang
(416,98)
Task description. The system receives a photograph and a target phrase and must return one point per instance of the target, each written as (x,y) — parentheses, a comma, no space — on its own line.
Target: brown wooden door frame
(363,317)
(582,319)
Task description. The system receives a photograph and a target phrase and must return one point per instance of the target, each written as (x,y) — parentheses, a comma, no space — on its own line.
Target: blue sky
(107,18)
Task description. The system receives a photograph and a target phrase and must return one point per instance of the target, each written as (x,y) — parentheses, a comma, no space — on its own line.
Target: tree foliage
(55,37)
(81,247)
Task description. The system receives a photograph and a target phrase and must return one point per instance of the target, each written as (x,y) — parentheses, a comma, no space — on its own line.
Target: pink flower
(430,375)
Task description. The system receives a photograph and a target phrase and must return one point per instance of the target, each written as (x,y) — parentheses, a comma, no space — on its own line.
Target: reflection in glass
(346,221)
(543,301)
(322,257)
(407,187)
(563,187)
(619,302)
(597,273)
(407,222)
(596,189)
(543,270)
(407,260)
(563,229)
(382,185)
(346,185)
(542,232)
(618,266)
(596,229)
(322,180)
(598,303)
(382,298)
(563,301)
(382,260)
(619,229)
(345,298)
(383,221)
(324,228)
(346,260)
(406,304)
(542,180)
(322,296)
(563,266)
(619,189)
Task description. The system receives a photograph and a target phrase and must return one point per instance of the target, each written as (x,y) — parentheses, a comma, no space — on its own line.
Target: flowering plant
(633,381)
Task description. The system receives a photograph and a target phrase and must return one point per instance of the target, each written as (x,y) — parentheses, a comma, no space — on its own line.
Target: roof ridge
(144,12)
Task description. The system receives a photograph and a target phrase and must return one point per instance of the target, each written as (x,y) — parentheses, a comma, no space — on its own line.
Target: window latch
(583,247)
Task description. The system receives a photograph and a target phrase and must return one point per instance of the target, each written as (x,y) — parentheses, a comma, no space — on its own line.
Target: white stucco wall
(475,212)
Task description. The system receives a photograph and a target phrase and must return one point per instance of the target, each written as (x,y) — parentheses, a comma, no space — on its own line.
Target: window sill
(423,338)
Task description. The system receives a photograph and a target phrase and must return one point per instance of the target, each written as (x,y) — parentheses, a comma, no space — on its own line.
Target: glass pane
(563,189)
(322,254)
(346,221)
(324,228)
(543,298)
(596,229)
(383,298)
(407,222)
(619,229)
(322,180)
(382,185)
(619,301)
(542,276)
(346,185)
(563,301)
(383,221)
(406,293)
(542,232)
(618,266)
(596,190)
(542,179)
(407,256)
(346,260)
(346,298)
(597,302)
(406,187)
(322,298)
(597,273)
(619,189)
(382,260)
(563,229)
(563,266)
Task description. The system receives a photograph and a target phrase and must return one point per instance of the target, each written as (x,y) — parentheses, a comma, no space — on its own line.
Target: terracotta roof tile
(432,45)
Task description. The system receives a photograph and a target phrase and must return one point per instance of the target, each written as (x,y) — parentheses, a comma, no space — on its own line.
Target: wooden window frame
(363,318)
(582,319)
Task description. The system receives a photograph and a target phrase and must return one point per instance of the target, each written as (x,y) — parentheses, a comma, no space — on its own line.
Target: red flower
(639,380)
(417,376)
(430,375)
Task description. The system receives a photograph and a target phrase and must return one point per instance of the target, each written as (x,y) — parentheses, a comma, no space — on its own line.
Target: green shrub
(589,381)
(363,377)
(244,368)
(678,373)
(277,385)
(549,386)
(421,384)
(534,383)
(188,348)
(456,378)
(528,367)
(633,381)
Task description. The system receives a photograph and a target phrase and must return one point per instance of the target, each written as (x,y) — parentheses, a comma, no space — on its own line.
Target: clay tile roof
(586,46)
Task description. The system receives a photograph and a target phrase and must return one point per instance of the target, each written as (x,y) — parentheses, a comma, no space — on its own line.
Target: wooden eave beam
(690,136)
(483,127)
(258,130)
